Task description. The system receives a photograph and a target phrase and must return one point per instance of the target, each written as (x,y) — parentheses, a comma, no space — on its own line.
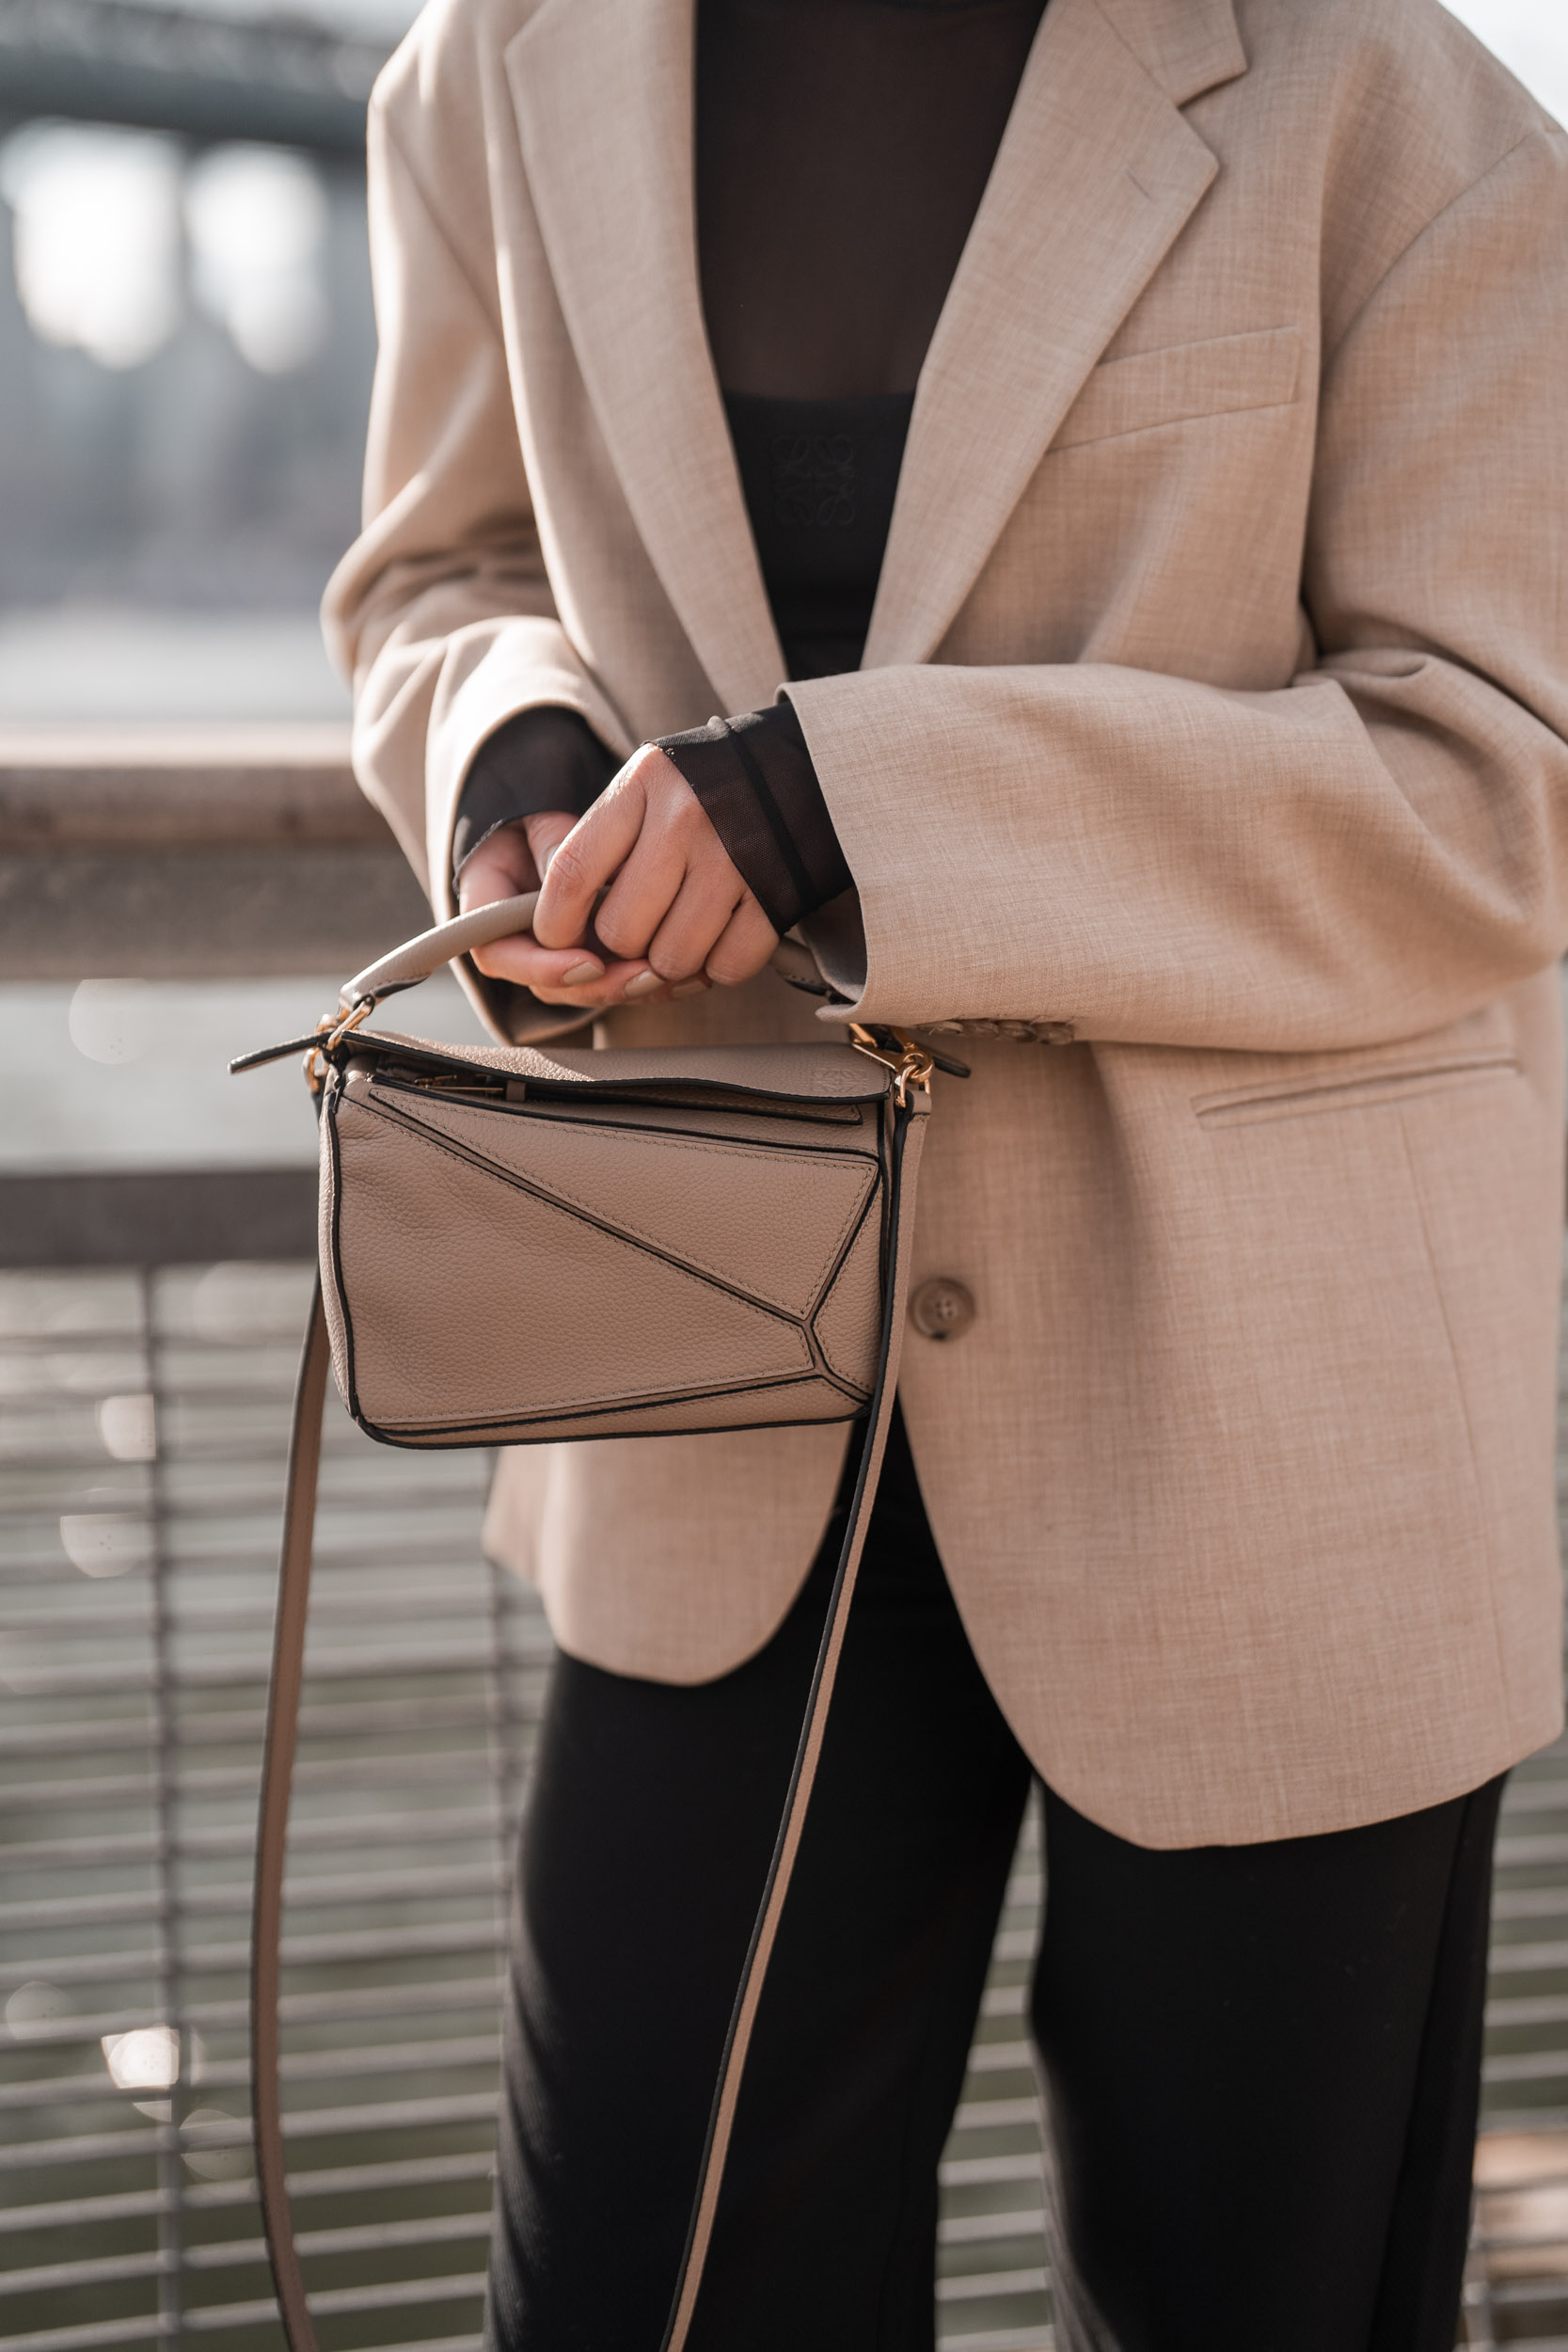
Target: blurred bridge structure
(274,77)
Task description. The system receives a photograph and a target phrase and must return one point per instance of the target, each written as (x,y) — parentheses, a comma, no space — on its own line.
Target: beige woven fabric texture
(1212,719)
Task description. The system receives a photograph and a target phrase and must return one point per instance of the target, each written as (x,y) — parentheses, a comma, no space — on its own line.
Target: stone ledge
(181,788)
(178,852)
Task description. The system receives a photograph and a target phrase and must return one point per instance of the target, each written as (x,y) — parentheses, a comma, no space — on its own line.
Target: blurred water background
(185,351)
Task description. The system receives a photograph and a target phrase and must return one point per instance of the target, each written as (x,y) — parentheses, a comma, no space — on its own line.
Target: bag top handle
(417,957)
(421,957)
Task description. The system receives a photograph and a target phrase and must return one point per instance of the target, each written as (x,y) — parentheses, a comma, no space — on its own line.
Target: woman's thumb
(545,832)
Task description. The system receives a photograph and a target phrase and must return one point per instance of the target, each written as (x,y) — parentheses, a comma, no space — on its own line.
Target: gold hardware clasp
(911,1064)
(350,1019)
(339,1023)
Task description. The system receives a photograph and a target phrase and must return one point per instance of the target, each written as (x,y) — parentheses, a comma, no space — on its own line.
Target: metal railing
(193,852)
(145,1426)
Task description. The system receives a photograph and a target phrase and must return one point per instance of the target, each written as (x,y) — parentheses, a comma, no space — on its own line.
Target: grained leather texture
(503,1268)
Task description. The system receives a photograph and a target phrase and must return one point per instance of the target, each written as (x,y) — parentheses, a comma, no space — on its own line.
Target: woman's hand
(510,860)
(678,918)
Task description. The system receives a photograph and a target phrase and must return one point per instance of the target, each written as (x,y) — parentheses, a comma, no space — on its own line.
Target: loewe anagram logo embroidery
(814,481)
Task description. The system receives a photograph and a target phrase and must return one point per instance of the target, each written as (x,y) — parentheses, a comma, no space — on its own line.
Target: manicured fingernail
(579,973)
(643,985)
(690,988)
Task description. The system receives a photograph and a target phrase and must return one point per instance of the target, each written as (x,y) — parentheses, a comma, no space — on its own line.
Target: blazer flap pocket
(1364,1088)
(1207,379)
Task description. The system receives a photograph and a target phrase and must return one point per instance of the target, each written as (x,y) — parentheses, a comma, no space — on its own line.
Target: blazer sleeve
(442,611)
(1371,851)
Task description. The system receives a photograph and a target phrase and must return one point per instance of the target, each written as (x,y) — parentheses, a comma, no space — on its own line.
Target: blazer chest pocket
(1362,1089)
(1230,374)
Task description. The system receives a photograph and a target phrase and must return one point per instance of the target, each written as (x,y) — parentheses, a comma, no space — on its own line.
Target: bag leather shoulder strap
(283,1699)
(272,1831)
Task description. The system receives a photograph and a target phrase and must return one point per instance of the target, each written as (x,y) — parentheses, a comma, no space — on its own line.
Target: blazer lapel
(603,95)
(1096,175)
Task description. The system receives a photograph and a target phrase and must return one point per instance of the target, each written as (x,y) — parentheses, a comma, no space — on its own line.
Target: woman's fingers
(546,833)
(560,974)
(744,946)
(643,897)
(510,861)
(686,906)
(646,843)
(696,920)
(590,855)
(676,915)
(501,866)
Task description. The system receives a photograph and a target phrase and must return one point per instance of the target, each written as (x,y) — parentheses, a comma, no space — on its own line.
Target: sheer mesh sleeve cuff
(542,758)
(754,777)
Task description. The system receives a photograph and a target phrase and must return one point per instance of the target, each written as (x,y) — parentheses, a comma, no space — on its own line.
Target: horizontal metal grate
(142,1440)
(144,1437)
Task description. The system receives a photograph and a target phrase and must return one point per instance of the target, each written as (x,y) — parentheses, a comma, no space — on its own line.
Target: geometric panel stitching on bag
(378,1049)
(568,1206)
(761,1308)
(332,1102)
(828,1287)
(497,1431)
(828,1112)
(546,1430)
(850,1221)
(501,1429)
(585,1408)
(651,1399)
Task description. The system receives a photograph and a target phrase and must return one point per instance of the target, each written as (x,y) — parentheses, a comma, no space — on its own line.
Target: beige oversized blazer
(1211,725)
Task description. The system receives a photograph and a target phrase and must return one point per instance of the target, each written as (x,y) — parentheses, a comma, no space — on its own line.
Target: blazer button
(942,1308)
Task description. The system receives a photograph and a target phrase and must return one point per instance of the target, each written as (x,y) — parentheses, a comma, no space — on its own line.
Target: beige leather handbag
(519,1247)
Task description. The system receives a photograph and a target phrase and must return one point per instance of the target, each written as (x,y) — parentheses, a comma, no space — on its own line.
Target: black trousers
(1261,2062)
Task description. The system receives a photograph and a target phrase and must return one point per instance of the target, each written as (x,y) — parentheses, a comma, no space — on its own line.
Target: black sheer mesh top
(819,477)
(843,147)
(841,151)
